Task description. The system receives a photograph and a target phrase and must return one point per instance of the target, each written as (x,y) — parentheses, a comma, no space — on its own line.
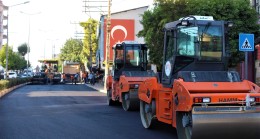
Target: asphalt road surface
(70,112)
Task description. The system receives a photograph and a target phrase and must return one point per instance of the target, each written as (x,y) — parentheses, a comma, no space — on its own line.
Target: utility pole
(108,42)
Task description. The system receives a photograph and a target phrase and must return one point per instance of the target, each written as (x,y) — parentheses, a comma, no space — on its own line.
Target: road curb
(8,90)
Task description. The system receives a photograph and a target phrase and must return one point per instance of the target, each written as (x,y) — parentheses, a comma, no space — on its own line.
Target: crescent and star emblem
(118,27)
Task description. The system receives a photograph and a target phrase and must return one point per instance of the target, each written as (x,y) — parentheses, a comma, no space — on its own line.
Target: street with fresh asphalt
(70,112)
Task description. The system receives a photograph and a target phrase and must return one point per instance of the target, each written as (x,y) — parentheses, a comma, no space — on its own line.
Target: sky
(46,24)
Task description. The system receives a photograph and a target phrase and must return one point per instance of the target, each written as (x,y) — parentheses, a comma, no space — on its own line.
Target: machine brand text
(227,99)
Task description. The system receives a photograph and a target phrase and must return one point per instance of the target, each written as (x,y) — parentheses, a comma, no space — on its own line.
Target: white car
(12,74)
(25,75)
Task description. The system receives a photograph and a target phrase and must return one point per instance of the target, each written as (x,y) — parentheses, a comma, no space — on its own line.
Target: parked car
(24,75)
(12,74)
(2,75)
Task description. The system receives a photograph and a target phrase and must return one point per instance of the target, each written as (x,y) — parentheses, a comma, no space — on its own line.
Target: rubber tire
(126,104)
(148,120)
(182,132)
(131,104)
(109,99)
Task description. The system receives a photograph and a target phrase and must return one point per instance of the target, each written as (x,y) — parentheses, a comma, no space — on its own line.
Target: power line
(95,6)
(76,32)
(91,6)
(94,11)
(94,1)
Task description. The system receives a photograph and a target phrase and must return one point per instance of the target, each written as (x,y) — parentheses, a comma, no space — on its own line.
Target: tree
(23,49)
(153,22)
(240,12)
(72,51)
(3,55)
(90,41)
(15,61)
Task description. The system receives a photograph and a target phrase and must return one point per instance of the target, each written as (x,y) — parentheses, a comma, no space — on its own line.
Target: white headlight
(252,99)
(206,100)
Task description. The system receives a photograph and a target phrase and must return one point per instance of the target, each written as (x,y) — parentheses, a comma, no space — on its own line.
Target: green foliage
(238,11)
(15,60)
(60,63)
(71,51)
(90,40)
(153,23)
(3,56)
(22,49)
(4,84)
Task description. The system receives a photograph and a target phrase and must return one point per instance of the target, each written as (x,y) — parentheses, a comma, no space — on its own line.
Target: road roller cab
(129,70)
(196,93)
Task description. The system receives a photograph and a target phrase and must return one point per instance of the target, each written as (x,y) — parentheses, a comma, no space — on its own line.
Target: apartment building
(3,27)
(1,22)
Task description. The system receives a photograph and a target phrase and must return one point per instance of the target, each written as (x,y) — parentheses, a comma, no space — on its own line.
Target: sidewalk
(97,86)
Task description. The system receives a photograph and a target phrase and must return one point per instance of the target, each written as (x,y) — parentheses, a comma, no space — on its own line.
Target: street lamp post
(7,39)
(7,33)
(28,44)
(29,32)
(53,43)
(45,39)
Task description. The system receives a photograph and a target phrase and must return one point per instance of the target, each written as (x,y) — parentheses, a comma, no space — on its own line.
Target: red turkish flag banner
(121,30)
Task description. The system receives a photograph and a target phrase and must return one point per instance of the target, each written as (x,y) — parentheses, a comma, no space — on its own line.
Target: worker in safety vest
(47,75)
(84,76)
(63,79)
(76,77)
(72,78)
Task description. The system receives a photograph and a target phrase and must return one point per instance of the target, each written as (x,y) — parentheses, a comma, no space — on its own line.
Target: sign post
(246,44)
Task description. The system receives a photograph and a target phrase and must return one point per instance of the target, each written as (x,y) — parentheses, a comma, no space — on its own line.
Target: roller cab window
(133,56)
(119,58)
(210,42)
(169,54)
(187,36)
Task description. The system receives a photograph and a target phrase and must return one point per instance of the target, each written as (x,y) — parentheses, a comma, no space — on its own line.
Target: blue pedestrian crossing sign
(246,42)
